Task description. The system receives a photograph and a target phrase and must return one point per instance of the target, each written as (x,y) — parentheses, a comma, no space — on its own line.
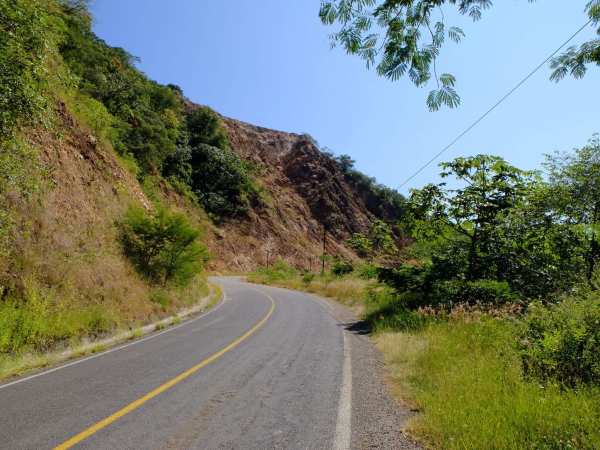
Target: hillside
(117,194)
(307,193)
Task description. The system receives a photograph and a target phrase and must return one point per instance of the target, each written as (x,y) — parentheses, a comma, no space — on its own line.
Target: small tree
(162,246)
(473,212)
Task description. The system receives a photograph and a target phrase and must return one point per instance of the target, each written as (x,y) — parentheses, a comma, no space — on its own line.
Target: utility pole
(323,252)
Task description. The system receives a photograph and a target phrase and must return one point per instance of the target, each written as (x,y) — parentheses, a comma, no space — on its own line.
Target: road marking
(115,349)
(343,428)
(162,388)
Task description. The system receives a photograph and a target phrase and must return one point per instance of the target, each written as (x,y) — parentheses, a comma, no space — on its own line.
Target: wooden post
(323,254)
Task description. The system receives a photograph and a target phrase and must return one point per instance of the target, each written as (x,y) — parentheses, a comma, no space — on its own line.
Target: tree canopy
(404,38)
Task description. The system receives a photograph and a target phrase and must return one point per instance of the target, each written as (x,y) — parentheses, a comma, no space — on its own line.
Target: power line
(508,94)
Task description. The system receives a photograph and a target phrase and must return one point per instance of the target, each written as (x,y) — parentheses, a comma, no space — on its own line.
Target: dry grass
(348,290)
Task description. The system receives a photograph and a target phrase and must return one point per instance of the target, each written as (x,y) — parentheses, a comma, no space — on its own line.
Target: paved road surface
(267,369)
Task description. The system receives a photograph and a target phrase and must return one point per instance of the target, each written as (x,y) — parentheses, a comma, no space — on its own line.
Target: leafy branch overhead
(404,38)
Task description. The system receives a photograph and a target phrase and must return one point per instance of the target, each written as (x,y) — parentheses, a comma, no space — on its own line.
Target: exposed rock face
(307,196)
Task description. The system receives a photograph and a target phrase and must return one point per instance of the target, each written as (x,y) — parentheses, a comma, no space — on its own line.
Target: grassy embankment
(463,372)
(68,332)
(70,168)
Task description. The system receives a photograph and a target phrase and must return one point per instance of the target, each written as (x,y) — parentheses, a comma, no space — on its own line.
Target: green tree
(574,197)
(345,162)
(473,213)
(204,127)
(163,246)
(405,37)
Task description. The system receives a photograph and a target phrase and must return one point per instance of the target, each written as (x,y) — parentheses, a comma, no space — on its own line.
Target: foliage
(561,343)
(219,178)
(163,246)
(341,267)
(277,272)
(575,61)
(147,116)
(379,241)
(473,212)
(25,42)
(366,271)
(204,127)
(20,178)
(361,244)
(574,197)
(405,37)
(38,320)
(388,310)
(428,287)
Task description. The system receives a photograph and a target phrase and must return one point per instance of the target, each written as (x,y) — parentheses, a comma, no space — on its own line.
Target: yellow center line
(162,388)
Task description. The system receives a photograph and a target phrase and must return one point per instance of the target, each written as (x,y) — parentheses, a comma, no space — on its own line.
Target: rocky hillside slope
(307,197)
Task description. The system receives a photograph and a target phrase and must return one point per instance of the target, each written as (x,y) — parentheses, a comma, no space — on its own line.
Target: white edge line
(115,349)
(343,428)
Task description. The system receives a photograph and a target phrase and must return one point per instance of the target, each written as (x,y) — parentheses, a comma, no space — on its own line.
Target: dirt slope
(307,195)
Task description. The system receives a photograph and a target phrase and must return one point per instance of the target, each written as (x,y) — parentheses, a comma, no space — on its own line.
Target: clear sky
(269,62)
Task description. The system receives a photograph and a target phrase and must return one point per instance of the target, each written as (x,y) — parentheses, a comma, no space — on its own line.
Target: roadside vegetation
(122,261)
(488,312)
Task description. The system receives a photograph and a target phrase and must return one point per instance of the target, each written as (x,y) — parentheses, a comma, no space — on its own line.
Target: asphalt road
(267,368)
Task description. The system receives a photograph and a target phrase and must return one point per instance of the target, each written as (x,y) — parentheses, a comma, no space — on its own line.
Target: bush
(162,246)
(308,277)
(429,288)
(367,271)
(221,180)
(387,310)
(486,292)
(562,342)
(341,267)
(279,271)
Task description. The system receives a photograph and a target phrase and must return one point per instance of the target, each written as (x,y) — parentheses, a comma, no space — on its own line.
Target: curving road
(267,368)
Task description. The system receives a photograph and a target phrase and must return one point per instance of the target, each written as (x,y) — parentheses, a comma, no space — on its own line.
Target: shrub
(160,297)
(221,180)
(361,244)
(204,127)
(366,271)
(387,310)
(279,271)
(162,246)
(486,292)
(341,267)
(429,288)
(308,277)
(562,342)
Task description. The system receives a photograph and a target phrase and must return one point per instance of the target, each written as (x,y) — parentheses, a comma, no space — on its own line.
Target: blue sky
(269,62)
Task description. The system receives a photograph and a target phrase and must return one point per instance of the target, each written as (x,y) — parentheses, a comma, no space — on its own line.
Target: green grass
(350,289)
(37,322)
(466,380)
